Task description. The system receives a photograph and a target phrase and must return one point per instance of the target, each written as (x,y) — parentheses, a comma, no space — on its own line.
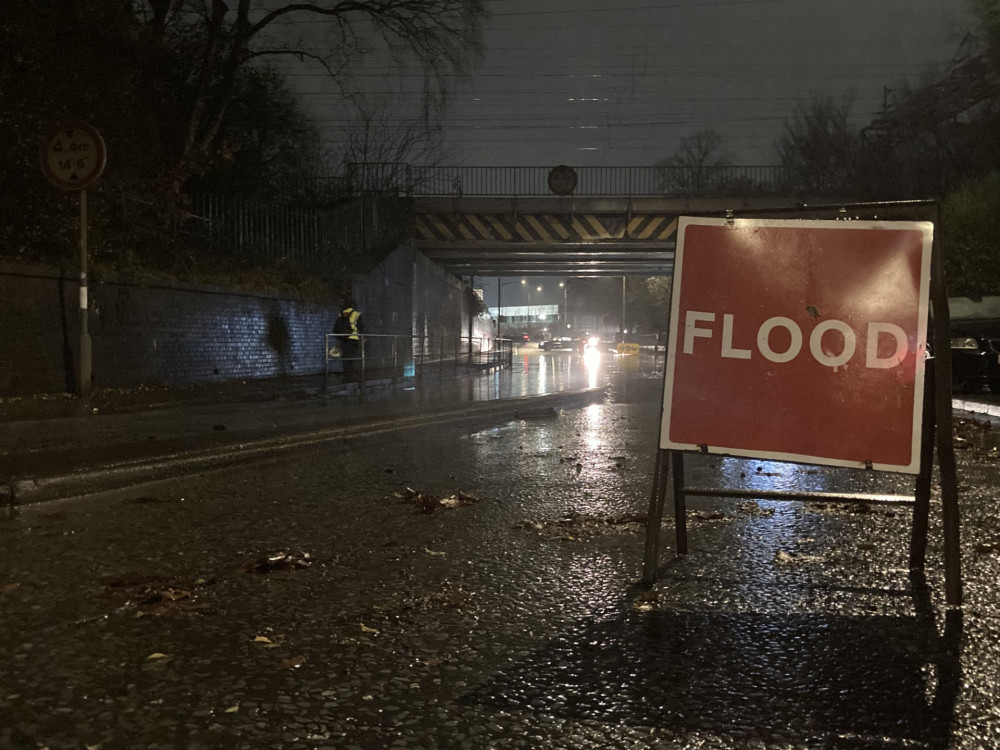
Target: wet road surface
(154,618)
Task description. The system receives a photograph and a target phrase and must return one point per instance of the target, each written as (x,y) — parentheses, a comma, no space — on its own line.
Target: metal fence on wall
(353,234)
(356,232)
(664,181)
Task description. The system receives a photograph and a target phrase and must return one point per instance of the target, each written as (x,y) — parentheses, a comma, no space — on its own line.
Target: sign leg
(655,517)
(680,502)
(943,428)
(922,489)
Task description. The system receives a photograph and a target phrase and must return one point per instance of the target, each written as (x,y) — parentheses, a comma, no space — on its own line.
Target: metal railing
(353,233)
(662,181)
(396,358)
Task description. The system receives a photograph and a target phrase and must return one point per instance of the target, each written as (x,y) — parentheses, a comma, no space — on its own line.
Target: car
(975,344)
(975,356)
(558,343)
(520,338)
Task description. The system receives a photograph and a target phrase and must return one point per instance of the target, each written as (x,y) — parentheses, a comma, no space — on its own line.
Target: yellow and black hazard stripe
(450,227)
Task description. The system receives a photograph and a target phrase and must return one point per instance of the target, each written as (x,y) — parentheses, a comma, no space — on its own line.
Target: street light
(565,305)
(537,289)
(623,310)
(500,286)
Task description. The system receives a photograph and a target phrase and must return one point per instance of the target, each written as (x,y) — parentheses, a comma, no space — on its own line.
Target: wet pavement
(307,599)
(61,446)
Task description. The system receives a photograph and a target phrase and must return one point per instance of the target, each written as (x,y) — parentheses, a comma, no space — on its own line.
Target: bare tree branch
(442,36)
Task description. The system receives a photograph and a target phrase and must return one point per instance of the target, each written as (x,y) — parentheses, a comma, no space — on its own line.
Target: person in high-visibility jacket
(348,325)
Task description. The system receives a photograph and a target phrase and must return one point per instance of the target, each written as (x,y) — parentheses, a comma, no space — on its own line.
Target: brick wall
(38,330)
(155,334)
(177,334)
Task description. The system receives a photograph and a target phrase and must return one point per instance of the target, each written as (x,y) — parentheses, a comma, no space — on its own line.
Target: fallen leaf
(156,655)
(233,709)
(292,663)
(433,553)
(266,642)
(447,596)
(8,587)
(788,558)
(429,503)
(277,561)
(366,629)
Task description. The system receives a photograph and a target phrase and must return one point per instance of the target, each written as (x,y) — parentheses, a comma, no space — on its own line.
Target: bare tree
(973,236)
(441,36)
(693,168)
(819,148)
(988,13)
(377,151)
(269,146)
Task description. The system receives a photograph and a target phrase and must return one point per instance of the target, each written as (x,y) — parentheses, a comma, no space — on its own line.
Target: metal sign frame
(936,424)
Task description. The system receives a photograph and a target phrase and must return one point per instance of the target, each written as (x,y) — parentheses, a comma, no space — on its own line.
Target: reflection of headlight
(593,341)
(963,343)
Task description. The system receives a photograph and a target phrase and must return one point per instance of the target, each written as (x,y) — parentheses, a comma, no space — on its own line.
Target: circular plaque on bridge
(562,180)
(73,155)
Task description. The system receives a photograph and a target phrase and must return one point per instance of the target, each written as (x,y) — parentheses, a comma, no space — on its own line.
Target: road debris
(430,503)
(546,412)
(975,436)
(276,562)
(790,558)
(582,525)
(154,595)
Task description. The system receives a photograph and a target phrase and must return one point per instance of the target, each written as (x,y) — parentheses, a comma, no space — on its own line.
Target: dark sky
(620,82)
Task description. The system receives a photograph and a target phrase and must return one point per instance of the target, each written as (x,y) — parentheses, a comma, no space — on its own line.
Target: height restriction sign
(799,341)
(73,155)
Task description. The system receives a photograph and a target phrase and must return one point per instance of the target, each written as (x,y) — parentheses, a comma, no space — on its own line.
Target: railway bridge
(597,221)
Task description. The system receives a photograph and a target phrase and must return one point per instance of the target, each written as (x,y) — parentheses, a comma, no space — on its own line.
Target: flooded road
(476,587)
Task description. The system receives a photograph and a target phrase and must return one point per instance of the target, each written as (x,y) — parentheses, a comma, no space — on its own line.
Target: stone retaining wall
(178,334)
(150,334)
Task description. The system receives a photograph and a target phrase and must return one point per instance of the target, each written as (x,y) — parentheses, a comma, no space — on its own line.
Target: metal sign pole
(72,156)
(86,360)
(942,418)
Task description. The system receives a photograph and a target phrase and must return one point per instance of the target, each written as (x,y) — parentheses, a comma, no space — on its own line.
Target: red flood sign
(799,341)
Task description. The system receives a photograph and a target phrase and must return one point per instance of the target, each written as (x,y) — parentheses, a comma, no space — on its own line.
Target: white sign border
(926,228)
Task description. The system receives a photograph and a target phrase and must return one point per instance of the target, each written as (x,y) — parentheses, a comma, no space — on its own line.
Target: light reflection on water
(773,476)
(595,580)
(779,476)
(592,366)
(591,422)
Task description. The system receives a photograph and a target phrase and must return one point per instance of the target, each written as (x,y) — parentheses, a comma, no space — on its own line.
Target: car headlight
(965,343)
(593,341)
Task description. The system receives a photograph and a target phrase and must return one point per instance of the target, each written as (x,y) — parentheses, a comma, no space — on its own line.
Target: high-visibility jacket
(353,316)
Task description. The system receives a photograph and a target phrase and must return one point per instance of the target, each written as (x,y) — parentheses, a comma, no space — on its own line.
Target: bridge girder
(539,236)
(577,259)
